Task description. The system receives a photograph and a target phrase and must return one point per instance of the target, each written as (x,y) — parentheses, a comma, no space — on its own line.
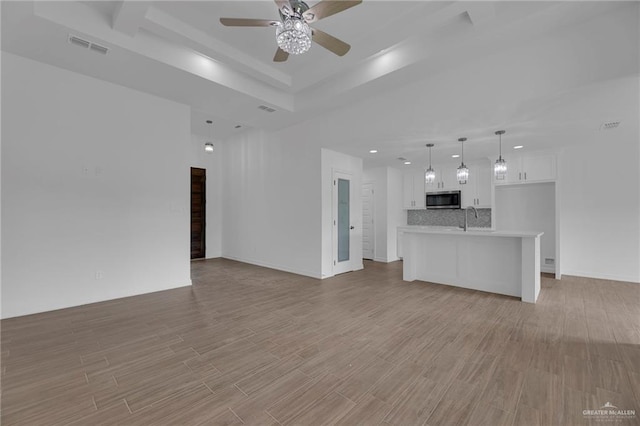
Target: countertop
(476,232)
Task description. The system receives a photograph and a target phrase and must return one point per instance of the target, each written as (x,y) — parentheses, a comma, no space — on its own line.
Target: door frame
(373,218)
(346,266)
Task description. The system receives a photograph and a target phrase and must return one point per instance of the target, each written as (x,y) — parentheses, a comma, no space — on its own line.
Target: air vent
(100,49)
(79,42)
(609,125)
(549,261)
(266,108)
(402,159)
(86,44)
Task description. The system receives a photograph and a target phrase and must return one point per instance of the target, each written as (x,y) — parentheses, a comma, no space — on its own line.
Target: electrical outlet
(99,275)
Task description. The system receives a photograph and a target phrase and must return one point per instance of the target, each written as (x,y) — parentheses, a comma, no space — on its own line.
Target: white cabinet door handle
(525,175)
(520,176)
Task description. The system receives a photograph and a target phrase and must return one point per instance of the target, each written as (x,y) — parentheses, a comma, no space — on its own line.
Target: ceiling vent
(609,125)
(266,108)
(402,159)
(77,41)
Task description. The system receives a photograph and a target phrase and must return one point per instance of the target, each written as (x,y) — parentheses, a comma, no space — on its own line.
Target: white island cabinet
(503,262)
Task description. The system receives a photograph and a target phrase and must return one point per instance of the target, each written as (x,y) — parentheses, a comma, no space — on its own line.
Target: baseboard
(385,260)
(274,266)
(598,276)
(547,270)
(26,312)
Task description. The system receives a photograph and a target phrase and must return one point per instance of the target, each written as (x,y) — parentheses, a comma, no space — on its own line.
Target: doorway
(342,244)
(198,212)
(368,232)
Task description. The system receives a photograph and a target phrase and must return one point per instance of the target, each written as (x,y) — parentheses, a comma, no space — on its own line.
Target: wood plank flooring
(249,345)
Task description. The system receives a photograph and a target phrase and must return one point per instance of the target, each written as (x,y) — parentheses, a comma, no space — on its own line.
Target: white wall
(600,206)
(378,177)
(335,161)
(95,177)
(529,207)
(212,162)
(271,201)
(396,215)
(389,213)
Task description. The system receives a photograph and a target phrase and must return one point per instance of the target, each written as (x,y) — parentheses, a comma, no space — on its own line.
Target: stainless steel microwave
(443,200)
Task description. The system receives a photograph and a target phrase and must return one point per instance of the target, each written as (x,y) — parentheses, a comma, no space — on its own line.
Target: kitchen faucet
(465,216)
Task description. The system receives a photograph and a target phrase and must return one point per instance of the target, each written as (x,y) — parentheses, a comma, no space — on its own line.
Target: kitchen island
(503,262)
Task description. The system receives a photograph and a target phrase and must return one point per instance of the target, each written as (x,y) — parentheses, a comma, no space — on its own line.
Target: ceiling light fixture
(429,174)
(463,171)
(406,163)
(455,156)
(293,35)
(373,151)
(208,147)
(500,168)
(518,147)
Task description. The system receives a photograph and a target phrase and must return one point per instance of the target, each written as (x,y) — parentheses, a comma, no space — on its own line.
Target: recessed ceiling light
(455,156)
(518,147)
(373,151)
(407,163)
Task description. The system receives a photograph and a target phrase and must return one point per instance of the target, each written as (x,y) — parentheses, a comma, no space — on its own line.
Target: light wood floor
(251,345)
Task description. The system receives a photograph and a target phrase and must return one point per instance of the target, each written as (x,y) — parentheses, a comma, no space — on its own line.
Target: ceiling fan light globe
(294,36)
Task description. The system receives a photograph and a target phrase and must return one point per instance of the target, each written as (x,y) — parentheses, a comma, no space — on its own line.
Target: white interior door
(342,223)
(368,233)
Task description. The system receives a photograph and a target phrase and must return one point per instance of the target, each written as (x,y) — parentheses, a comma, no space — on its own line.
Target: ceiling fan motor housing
(296,10)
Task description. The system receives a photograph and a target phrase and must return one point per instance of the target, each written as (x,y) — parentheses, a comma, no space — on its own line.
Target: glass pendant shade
(429,176)
(294,35)
(208,146)
(463,171)
(462,174)
(500,168)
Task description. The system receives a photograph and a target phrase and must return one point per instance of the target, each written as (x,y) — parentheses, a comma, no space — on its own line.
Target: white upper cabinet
(414,190)
(529,168)
(537,168)
(445,179)
(477,191)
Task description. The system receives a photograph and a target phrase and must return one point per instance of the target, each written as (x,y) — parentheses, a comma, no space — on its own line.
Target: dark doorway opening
(198,212)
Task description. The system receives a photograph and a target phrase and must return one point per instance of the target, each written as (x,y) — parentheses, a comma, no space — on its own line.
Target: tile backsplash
(448,217)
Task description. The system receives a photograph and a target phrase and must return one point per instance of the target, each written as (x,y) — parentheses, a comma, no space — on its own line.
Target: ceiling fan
(293,33)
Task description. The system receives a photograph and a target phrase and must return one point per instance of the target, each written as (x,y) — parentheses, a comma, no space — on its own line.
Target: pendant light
(429,174)
(463,171)
(208,147)
(500,168)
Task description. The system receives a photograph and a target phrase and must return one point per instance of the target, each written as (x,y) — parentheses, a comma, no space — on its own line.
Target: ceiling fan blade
(327,8)
(280,56)
(240,22)
(331,43)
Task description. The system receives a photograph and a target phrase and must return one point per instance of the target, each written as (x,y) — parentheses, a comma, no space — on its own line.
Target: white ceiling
(541,70)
